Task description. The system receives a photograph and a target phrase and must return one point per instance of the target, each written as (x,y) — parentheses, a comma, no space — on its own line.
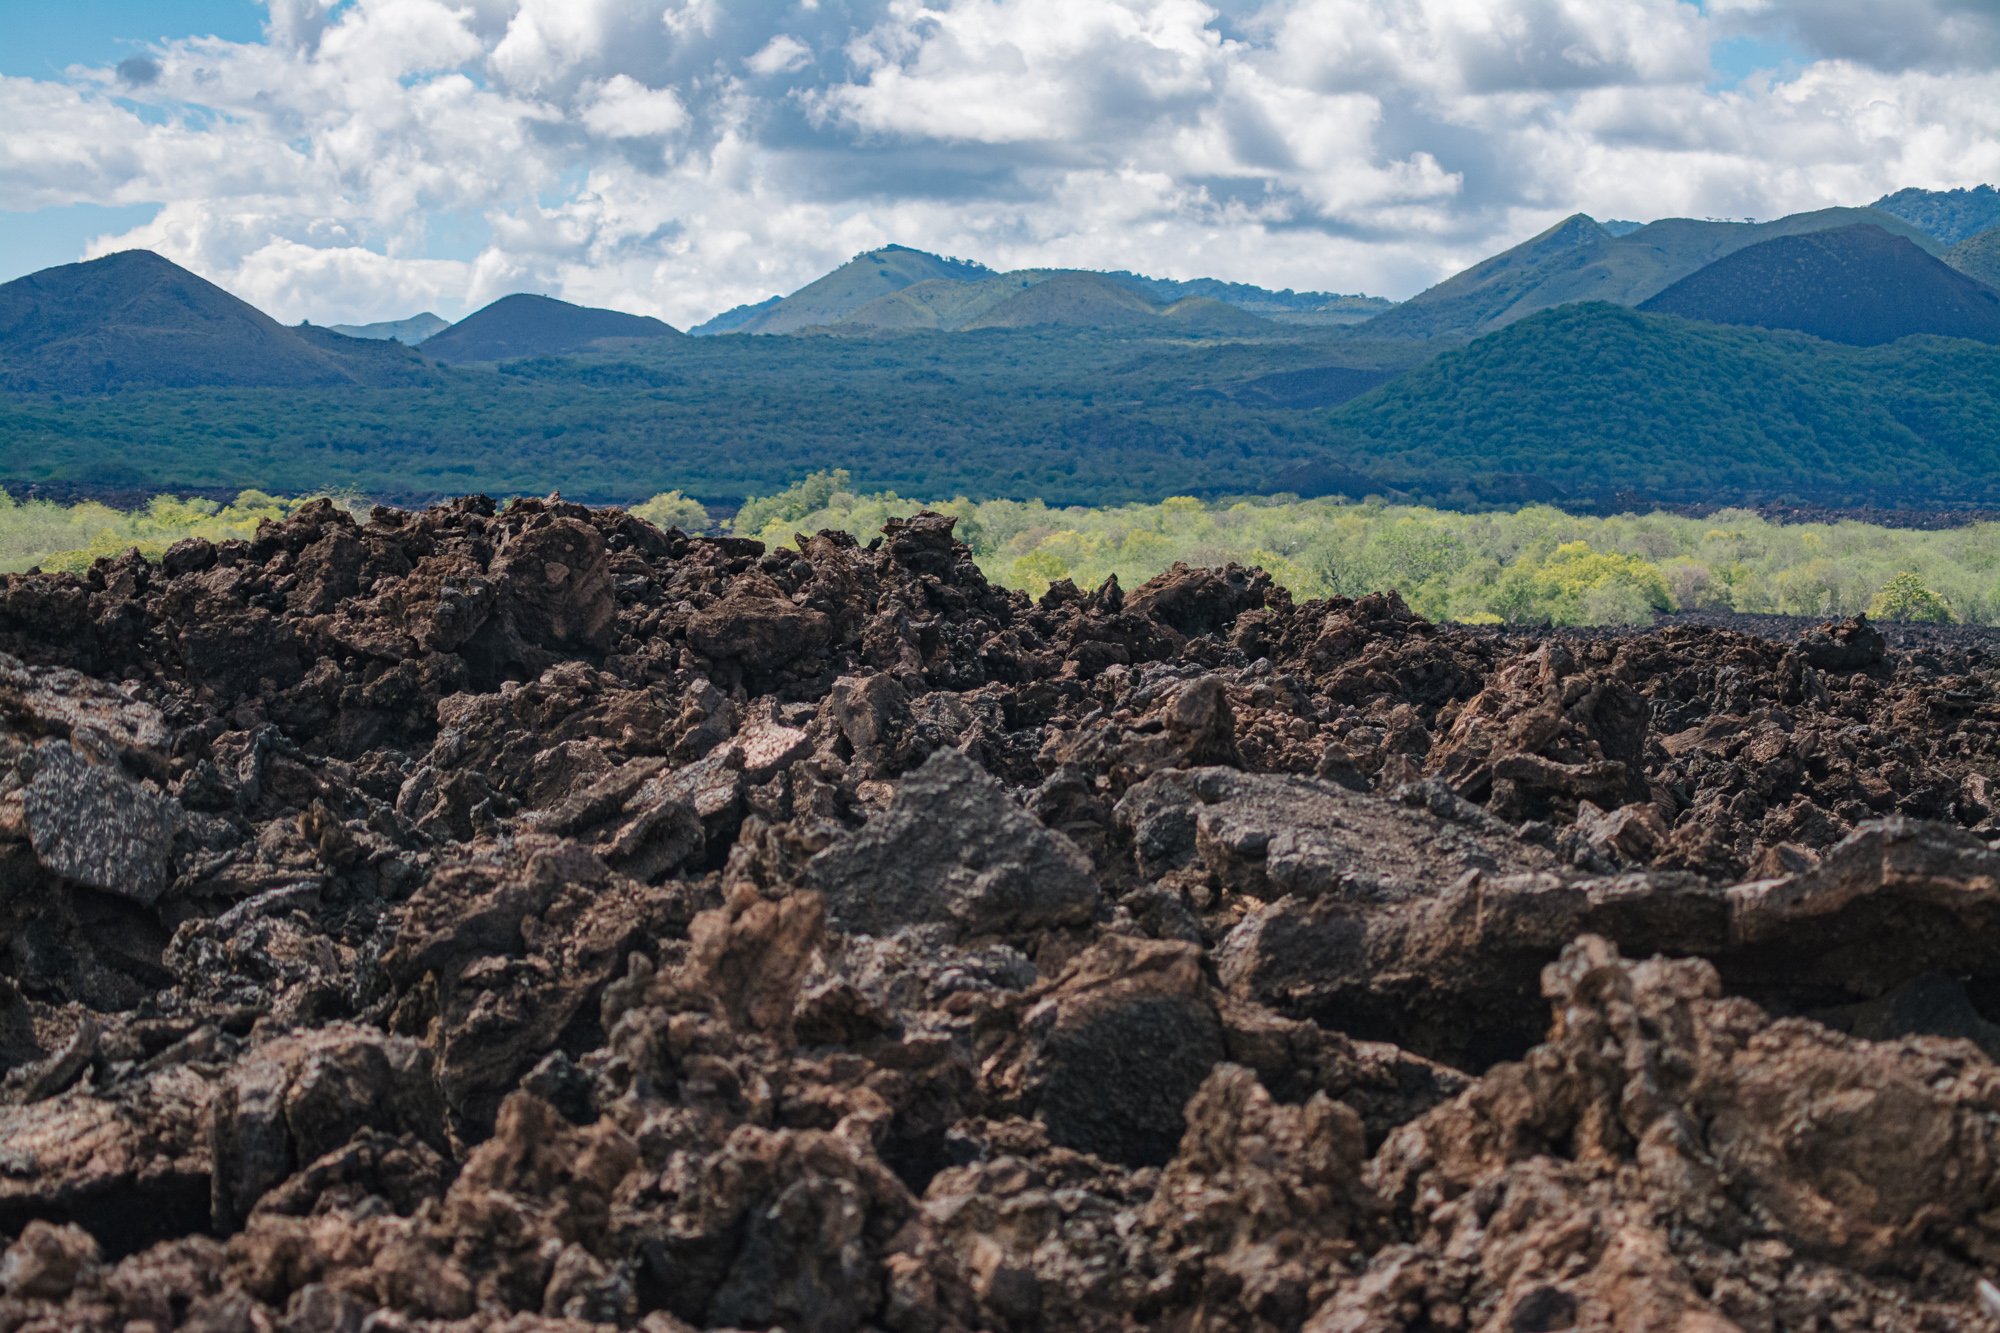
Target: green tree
(1905,597)
(672,509)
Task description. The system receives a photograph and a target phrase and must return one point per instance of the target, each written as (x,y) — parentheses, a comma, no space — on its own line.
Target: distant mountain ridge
(1579,260)
(1856,285)
(137,320)
(897,288)
(409,331)
(1032,298)
(864,278)
(1948,216)
(1286,305)
(524,325)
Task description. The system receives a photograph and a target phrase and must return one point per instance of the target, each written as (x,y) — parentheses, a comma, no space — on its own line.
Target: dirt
(486,920)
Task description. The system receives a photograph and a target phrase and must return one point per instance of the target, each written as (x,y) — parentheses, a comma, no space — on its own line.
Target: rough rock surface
(518,919)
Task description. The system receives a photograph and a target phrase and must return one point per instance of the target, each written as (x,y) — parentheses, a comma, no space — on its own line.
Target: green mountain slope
(1978,258)
(1950,216)
(523,325)
(1856,285)
(939,304)
(1046,298)
(1595,400)
(1287,306)
(1076,300)
(1578,260)
(135,319)
(377,363)
(854,284)
(897,289)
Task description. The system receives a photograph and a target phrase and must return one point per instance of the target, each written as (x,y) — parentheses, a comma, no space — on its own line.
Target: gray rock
(954,849)
(47,701)
(93,826)
(1272,835)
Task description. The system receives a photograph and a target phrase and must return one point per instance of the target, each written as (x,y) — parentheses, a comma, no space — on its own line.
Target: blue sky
(41,38)
(676,157)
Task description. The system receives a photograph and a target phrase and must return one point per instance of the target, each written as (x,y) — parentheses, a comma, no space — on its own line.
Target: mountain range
(896,288)
(1580,260)
(1786,346)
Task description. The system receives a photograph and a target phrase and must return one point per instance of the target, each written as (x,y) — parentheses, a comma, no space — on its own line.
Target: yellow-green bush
(69,537)
(1536,564)
(1531,564)
(1905,597)
(674,510)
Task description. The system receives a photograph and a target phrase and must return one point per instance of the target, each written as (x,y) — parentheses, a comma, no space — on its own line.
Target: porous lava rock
(507,918)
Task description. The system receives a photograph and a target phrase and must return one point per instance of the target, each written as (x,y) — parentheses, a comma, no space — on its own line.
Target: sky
(354,160)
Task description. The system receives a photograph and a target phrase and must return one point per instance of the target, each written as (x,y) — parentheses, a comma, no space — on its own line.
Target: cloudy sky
(366,159)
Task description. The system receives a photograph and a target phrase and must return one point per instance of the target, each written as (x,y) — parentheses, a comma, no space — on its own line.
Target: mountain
(1286,306)
(1580,260)
(409,331)
(1595,401)
(1948,216)
(523,325)
(938,304)
(1978,258)
(854,284)
(1039,298)
(897,289)
(137,320)
(1856,285)
(1076,300)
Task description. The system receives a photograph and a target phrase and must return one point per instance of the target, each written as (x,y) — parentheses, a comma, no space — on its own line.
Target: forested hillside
(1594,398)
(1585,403)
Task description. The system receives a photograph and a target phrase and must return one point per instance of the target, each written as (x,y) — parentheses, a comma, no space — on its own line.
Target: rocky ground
(533,920)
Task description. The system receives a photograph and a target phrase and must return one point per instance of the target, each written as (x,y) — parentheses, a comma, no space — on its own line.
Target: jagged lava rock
(518,917)
(954,849)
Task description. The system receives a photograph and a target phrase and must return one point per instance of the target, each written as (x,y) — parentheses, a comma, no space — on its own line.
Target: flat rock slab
(93,826)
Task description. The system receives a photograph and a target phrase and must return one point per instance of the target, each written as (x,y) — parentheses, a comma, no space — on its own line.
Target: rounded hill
(137,320)
(1856,285)
(523,325)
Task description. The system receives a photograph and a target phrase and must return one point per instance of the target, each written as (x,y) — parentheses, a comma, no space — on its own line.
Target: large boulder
(954,850)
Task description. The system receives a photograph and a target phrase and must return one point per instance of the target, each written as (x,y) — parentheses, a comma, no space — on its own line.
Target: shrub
(1905,597)
(674,510)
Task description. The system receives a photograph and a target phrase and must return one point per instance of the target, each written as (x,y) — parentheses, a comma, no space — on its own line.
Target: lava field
(527,919)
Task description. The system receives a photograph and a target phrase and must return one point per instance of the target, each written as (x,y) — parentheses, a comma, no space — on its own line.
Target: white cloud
(678,156)
(783,54)
(623,108)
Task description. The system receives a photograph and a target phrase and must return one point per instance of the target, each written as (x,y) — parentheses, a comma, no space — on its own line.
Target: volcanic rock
(953,849)
(509,917)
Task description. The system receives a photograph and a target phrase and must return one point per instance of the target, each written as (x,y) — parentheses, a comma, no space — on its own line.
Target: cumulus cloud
(783,54)
(370,158)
